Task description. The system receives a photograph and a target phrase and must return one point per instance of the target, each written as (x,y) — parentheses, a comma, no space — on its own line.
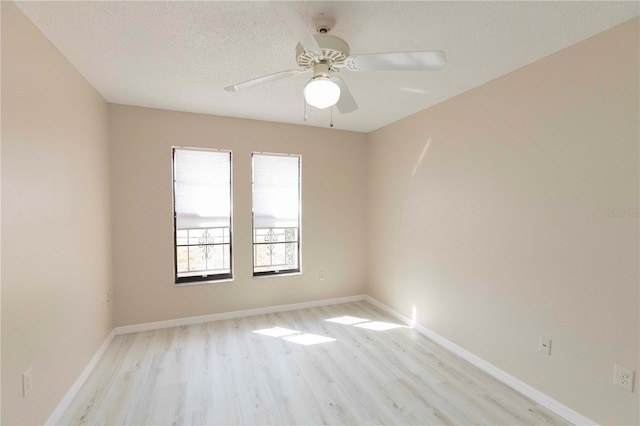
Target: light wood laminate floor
(283,368)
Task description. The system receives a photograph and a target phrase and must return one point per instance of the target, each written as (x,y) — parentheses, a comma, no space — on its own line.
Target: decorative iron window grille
(275,250)
(203,251)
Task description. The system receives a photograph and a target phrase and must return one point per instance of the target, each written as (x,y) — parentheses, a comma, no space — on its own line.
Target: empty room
(301,213)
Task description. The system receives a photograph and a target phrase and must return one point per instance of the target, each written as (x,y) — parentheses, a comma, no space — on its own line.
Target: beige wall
(498,233)
(55,221)
(333,211)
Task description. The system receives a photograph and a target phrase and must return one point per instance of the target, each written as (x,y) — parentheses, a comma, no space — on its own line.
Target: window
(202,214)
(276,214)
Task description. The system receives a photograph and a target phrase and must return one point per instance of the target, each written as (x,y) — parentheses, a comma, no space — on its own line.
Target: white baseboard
(54,418)
(234,314)
(544,400)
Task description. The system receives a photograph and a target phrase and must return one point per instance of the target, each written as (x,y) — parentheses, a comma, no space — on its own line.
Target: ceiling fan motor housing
(334,49)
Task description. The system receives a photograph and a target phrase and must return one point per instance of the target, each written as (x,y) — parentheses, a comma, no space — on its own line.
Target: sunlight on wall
(424,151)
(414,316)
(413,90)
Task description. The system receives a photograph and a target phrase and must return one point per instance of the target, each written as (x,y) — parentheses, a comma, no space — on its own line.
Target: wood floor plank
(249,371)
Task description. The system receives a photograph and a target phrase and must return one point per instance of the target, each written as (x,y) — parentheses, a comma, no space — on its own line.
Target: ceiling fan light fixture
(321,92)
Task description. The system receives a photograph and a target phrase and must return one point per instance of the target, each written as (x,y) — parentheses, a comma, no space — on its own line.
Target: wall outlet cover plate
(623,377)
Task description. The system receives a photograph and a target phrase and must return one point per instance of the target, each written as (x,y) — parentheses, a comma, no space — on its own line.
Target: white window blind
(276,193)
(202,188)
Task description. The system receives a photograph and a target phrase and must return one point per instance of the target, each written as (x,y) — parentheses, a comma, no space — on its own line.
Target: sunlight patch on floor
(348,320)
(308,339)
(276,332)
(367,324)
(379,325)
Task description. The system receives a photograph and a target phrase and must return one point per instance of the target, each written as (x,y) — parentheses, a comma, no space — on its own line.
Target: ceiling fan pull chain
(305,110)
(331,124)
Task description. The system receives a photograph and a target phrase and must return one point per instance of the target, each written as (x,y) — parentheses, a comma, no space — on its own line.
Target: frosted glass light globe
(321,92)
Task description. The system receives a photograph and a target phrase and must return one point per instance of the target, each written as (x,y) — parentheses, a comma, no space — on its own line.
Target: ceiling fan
(326,55)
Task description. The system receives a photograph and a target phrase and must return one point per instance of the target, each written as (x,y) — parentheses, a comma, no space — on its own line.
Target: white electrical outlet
(544,346)
(623,377)
(321,275)
(27,382)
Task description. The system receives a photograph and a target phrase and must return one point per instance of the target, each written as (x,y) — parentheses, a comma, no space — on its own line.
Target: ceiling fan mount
(323,23)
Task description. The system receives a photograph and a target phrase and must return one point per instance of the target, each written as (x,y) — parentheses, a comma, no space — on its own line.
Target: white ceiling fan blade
(260,80)
(298,27)
(346,103)
(399,61)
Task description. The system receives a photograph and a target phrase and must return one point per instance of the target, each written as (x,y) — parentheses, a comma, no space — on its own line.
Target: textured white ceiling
(180,55)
